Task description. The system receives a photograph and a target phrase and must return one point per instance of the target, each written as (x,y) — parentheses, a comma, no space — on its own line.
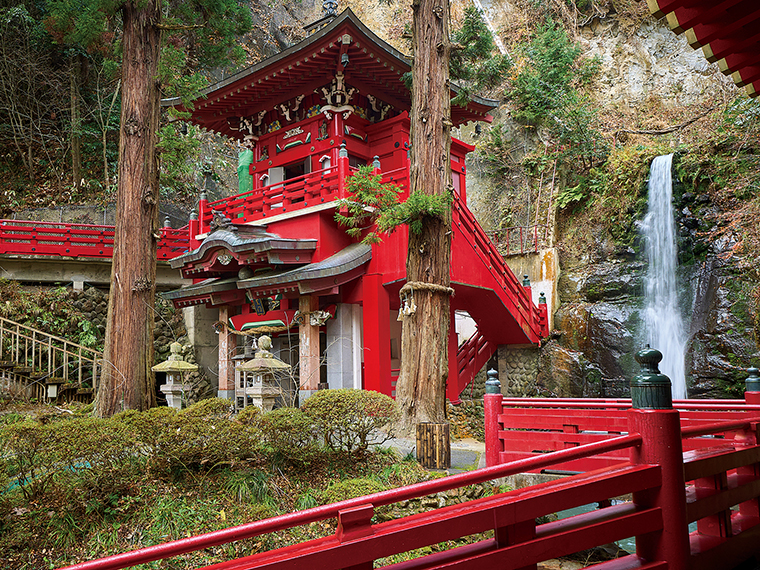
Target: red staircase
(471,357)
(511,312)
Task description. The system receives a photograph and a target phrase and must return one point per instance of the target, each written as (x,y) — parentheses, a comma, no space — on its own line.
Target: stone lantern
(241,377)
(175,369)
(260,375)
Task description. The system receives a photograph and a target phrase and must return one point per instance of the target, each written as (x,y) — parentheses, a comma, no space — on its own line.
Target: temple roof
(246,245)
(333,271)
(374,67)
(340,268)
(209,291)
(728,31)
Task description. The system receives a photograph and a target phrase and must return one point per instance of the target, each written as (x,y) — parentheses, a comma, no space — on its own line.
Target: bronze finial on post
(493,386)
(752,386)
(650,389)
(752,382)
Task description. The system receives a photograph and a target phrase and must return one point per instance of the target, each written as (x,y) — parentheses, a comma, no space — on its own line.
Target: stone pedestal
(174,394)
(263,396)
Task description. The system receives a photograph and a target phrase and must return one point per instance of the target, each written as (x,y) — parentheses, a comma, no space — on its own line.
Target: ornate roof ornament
(329,8)
(329,12)
(221,222)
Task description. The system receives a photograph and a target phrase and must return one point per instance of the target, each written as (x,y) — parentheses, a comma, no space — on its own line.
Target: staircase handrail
(529,312)
(98,355)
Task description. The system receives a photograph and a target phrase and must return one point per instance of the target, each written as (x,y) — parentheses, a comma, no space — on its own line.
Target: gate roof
(375,68)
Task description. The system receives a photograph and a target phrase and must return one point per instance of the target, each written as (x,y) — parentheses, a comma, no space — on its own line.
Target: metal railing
(518,240)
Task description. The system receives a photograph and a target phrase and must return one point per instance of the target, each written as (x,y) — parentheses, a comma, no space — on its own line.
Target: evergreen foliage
(544,81)
(76,488)
(473,66)
(374,209)
(349,420)
(370,198)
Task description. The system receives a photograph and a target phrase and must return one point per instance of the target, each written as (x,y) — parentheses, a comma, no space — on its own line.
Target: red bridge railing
(716,487)
(294,194)
(525,427)
(31,238)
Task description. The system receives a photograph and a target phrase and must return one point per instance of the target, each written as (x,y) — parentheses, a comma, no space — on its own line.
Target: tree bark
(421,388)
(127,381)
(76,140)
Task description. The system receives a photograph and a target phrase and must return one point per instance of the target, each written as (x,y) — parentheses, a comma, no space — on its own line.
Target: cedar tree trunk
(127,381)
(76,139)
(421,389)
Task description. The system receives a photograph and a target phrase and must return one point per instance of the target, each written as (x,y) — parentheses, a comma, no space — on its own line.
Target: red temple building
(273,259)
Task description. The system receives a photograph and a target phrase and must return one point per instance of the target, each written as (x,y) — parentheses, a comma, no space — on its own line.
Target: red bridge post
(343,170)
(659,425)
(193,229)
(492,401)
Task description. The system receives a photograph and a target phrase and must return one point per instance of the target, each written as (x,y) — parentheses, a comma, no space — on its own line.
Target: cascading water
(662,318)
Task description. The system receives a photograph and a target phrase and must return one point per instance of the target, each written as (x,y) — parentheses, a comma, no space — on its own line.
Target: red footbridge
(683,483)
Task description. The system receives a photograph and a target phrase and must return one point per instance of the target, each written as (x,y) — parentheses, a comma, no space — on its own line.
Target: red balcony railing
(31,238)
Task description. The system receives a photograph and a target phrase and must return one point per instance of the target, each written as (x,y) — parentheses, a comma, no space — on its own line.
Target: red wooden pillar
(452,384)
(193,229)
(377,335)
(203,212)
(543,312)
(343,170)
(660,430)
(492,401)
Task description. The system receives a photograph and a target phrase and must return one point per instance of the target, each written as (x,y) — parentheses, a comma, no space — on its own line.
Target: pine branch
(669,129)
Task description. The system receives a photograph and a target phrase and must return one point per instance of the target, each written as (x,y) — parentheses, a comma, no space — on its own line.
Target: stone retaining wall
(518,369)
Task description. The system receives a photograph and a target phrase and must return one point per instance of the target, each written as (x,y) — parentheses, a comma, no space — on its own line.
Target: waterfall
(662,318)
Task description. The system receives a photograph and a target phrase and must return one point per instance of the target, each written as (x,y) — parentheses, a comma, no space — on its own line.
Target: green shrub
(249,416)
(25,454)
(82,462)
(349,420)
(203,436)
(351,488)
(209,408)
(290,434)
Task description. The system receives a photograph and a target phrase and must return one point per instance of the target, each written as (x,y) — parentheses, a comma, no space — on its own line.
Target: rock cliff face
(598,324)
